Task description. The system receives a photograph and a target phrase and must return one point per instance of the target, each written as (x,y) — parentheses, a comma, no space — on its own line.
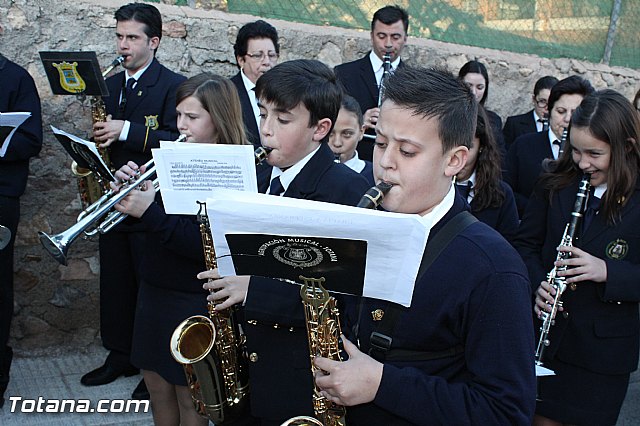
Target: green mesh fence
(594,30)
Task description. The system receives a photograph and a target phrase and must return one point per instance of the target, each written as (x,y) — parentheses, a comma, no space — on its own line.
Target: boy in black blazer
(299,103)
(437,362)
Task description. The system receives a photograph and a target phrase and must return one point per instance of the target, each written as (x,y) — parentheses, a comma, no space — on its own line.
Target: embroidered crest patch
(617,249)
(151,121)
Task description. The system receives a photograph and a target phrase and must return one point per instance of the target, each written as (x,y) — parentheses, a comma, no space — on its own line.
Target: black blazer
(359,81)
(280,375)
(253,133)
(19,94)
(518,125)
(504,218)
(476,384)
(524,165)
(151,110)
(599,330)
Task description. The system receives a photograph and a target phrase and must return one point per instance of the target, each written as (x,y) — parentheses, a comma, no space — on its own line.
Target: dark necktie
(276,187)
(464,189)
(593,204)
(130,83)
(545,124)
(559,144)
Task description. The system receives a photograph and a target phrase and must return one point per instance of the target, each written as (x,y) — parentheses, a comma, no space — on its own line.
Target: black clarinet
(261,153)
(563,141)
(386,70)
(374,195)
(559,283)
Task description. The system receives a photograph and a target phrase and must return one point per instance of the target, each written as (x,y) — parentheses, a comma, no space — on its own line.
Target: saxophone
(91,186)
(323,330)
(212,349)
(559,283)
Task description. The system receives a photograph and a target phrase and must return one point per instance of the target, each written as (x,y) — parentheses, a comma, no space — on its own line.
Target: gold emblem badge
(70,80)
(151,121)
(617,249)
(377,314)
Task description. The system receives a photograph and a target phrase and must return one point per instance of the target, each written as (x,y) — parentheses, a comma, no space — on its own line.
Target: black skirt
(158,312)
(578,396)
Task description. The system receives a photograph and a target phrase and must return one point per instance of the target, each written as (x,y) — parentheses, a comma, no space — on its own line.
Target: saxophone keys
(573,286)
(253,357)
(377,314)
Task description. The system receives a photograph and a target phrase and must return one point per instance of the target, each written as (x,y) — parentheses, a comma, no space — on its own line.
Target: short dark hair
(476,67)
(573,85)
(256,29)
(390,15)
(302,81)
(436,93)
(350,104)
(546,82)
(145,14)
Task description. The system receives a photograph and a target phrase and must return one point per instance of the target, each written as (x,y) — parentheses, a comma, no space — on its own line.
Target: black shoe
(140,392)
(106,374)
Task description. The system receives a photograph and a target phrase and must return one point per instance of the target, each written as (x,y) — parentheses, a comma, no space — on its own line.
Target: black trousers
(120,255)
(9,217)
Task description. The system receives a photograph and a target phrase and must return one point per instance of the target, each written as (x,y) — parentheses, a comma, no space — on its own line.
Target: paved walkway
(57,376)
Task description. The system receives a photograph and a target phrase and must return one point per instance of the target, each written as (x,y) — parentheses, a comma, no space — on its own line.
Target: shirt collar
(287,176)
(138,74)
(248,84)
(376,63)
(440,209)
(355,163)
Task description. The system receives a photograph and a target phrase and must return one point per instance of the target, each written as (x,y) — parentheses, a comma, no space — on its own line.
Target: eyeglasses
(541,103)
(259,56)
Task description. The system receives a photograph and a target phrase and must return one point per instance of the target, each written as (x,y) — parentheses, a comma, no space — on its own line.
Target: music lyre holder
(74,73)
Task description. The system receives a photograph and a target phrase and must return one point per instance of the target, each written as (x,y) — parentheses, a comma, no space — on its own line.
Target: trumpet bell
(56,245)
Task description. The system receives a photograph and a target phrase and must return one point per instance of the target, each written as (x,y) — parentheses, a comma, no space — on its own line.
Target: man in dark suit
(299,103)
(18,93)
(256,51)
(142,111)
(524,159)
(361,78)
(436,362)
(532,121)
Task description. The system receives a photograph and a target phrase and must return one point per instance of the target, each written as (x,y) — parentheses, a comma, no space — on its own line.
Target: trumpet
(89,220)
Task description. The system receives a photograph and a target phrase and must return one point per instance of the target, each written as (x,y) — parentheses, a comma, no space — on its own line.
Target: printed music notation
(187,172)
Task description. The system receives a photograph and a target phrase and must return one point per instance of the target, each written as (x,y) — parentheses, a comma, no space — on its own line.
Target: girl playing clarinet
(593,345)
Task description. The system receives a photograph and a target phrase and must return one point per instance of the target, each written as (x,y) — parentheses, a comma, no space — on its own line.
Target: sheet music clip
(74,73)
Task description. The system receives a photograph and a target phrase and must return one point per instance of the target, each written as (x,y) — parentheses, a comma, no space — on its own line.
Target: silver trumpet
(90,221)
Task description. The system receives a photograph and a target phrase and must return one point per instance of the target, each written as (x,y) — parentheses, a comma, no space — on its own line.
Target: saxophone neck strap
(380,340)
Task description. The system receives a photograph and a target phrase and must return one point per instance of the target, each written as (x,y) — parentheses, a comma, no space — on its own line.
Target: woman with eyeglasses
(257,51)
(524,159)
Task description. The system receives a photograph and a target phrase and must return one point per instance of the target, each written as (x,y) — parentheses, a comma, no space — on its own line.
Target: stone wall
(57,305)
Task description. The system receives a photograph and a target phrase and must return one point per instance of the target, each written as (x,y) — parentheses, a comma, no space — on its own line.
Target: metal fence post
(611,33)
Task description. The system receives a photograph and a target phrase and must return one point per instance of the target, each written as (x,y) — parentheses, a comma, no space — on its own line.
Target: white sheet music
(187,172)
(11,120)
(391,267)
